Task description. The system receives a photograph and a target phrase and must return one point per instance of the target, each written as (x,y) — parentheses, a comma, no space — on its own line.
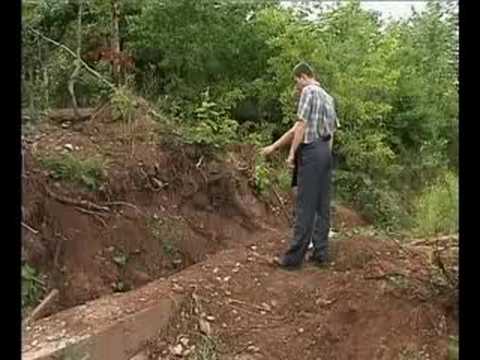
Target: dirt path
(256,311)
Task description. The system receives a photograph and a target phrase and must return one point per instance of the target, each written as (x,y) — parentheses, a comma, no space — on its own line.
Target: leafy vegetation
(437,208)
(86,172)
(32,286)
(206,349)
(168,231)
(224,76)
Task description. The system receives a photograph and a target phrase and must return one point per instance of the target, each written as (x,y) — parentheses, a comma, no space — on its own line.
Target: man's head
(303,74)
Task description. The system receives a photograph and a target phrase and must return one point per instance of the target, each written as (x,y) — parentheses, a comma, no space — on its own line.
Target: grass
(32,286)
(206,349)
(436,209)
(168,231)
(85,172)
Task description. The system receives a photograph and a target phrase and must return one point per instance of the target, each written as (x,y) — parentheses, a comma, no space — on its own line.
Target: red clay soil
(349,310)
(168,207)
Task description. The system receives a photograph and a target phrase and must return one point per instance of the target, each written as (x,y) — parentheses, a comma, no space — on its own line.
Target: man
(310,144)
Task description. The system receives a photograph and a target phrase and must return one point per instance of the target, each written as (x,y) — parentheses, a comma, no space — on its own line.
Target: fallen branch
(384,276)
(79,203)
(122,203)
(96,215)
(429,241)
(29,228)
(40,309)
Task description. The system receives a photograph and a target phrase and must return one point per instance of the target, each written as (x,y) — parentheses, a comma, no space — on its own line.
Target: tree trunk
(116,40)
(78,65)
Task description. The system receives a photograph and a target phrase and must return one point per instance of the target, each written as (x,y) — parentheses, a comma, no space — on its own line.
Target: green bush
(88,172)
(32,286)
(436,209)
(212,126)
(374,197)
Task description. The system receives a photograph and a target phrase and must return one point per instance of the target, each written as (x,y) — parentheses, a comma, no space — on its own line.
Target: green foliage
(453,351)
(377,200)
(395,85)
(262,175)
(169,232)
(436,209)
(206,349)
(32,286)
(212,125)
(86,172)
(123,105)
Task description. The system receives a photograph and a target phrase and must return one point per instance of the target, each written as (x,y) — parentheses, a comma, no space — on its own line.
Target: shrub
(87,172)
(436,209)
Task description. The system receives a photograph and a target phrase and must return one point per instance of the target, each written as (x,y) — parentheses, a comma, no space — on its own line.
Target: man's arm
(297,139)
(286,138)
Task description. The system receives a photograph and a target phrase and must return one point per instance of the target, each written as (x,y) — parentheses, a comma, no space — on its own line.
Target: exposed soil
(351,309)
(162,208)
(167,208)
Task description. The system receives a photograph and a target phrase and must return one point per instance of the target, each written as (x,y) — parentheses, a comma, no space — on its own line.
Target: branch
(72,53)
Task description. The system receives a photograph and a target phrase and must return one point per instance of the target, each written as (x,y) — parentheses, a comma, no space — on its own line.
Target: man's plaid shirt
(317,109)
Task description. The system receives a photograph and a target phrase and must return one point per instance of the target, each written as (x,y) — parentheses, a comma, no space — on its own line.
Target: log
(40,309)
(63,115)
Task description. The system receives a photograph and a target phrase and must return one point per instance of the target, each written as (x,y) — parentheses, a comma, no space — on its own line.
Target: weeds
(89,172)
(206,349)
(32,286)
(436,210)
(168,232)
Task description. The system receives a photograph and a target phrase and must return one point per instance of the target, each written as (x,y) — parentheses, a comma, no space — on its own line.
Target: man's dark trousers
(313,203)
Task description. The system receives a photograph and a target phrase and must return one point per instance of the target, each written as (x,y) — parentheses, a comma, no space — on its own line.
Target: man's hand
(291,161)
(267,150)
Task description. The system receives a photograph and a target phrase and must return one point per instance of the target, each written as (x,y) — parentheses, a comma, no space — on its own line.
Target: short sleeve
(304,105)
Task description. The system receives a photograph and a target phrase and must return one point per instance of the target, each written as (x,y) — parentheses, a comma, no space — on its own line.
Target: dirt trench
(158,209)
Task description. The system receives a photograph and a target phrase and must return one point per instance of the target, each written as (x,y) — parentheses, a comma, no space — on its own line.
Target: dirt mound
(347,218)
(352,311)
(154,209)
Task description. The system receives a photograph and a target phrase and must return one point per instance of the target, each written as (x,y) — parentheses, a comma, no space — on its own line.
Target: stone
(205,327)
(176,350)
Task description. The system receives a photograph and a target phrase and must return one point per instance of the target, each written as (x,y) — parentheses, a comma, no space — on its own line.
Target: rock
(184,340)
(215,270)
(301,331)
(205,327)
(69,147)
(210,318)
(176,350)
(266,307)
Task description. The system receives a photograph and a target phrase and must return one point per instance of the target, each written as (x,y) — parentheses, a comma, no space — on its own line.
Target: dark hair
(303,68)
